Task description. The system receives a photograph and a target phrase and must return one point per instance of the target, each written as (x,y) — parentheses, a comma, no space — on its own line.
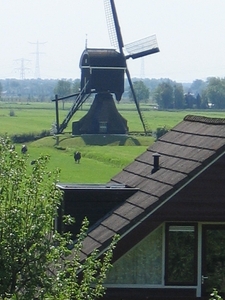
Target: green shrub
(161,131)
(215,296)
(12,113)
(29,137)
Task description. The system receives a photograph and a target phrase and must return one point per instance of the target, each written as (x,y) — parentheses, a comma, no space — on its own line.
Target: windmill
(102,73)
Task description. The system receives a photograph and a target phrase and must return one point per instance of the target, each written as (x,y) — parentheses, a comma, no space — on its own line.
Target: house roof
(185,152)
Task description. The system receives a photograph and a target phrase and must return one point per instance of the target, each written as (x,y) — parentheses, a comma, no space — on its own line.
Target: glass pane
(181,253)
(142,264)
(215,260)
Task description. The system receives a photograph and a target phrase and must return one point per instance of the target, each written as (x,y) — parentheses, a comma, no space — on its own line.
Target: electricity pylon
(37,53)
(22,67)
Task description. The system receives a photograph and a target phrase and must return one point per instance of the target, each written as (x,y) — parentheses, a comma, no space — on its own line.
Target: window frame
(166,279)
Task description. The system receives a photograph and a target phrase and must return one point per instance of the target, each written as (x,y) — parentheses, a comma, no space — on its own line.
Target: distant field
(99,163)
(35,117)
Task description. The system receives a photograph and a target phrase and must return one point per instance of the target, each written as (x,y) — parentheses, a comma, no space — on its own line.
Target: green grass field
(98,163)
(35,117)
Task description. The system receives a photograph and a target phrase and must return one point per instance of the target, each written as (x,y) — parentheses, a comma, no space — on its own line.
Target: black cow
(24,149)
(77,157)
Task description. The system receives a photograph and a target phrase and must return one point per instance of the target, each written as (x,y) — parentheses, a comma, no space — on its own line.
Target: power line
(37,53)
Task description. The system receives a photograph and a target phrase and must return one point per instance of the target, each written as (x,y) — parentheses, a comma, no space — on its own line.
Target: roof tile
(184,151)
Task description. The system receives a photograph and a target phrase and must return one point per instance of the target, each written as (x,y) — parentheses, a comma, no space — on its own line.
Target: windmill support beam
(57,112)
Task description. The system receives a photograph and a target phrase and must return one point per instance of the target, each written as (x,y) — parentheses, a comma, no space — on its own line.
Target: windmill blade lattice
(142,47)
(111,24)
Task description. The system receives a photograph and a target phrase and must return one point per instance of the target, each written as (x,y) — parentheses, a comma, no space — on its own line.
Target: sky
(190,36)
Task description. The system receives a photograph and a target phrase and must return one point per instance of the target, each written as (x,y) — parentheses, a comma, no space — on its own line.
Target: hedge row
(29,137)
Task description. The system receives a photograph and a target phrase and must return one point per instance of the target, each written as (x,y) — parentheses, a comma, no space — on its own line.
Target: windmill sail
(142,47)
(113,25)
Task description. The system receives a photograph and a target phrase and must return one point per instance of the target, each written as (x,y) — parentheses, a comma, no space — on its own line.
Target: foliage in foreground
(215,295)
(37,262)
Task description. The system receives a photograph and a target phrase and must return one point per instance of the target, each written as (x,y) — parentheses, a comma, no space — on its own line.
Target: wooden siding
(202,200)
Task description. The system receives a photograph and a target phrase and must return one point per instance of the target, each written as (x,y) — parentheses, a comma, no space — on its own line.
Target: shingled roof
(185,152)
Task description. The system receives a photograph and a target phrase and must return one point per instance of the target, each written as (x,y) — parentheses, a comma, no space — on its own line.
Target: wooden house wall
(202,200)
(91,203)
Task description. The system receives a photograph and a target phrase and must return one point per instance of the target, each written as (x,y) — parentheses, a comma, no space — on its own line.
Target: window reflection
(142,264)
(181,247)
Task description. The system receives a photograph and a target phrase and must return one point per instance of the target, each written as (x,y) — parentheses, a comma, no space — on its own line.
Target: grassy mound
(67,141)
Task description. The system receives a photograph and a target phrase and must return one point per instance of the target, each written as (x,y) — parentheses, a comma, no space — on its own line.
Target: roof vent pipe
(156,162)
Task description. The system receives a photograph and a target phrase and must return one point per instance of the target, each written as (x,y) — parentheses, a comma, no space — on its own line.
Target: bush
(12,113)
(215,296)
(29,137)
(161,131)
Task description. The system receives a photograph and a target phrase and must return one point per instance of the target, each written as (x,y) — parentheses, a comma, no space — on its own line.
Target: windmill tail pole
(135,100)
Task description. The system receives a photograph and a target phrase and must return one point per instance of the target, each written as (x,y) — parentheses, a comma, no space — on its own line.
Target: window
(142,264)
(181,254)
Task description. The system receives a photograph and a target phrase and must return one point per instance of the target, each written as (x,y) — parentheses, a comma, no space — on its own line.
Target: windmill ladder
(145,123)
(80,99)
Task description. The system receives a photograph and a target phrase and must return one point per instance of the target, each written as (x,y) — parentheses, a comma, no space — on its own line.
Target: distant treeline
(45,89)
(28,89)
(165,92)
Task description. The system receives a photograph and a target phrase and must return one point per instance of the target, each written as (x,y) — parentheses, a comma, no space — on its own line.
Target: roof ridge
(203,119)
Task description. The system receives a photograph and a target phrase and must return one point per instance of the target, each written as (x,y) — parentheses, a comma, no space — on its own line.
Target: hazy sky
(190,35)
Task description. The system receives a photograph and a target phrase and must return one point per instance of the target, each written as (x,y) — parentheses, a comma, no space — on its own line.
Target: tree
(0,90)
(190,100)
(36,261)
(164,95)
(62,89)
(76,86)
(178,96)
(215,92)
(197,86)
(141,91)
(199,103)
